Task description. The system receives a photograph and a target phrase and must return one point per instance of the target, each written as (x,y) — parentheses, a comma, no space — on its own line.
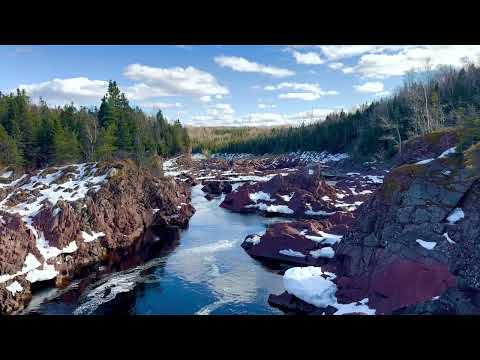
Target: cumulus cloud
(154,82)
(308,58)
(335,52)
(261,118)
(220,113)
(300,96)
(243,65)
(79,90)
(304,91)
(160,105)
(266,106)
(370,87)
(336,65)
(206,98)
(396,60)
(221,109)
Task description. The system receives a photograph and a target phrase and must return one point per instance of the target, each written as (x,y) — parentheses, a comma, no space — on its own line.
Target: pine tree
(9,153)
(106,143)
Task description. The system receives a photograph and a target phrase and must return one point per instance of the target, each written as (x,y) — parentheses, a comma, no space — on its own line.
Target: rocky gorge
(347,237)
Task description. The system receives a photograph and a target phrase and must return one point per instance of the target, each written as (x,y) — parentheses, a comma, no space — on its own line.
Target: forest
(427,101)
(209,139)
(35,135)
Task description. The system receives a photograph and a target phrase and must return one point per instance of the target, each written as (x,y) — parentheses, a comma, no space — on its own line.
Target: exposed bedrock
(64,220)
(416,240)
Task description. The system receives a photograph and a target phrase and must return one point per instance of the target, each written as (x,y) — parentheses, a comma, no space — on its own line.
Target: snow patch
(260,195)
(325,238)
(6,174)
(429,245)
(15,287)
(456,215)
(316,287)
(326,252)
(287,198)
(94,236)
(447,152)
(423,162)
(448,238)
(255,239)
(47,273)
(291,252)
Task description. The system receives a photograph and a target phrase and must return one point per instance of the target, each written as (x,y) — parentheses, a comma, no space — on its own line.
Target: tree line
(209,139)
(427,101)
(35,135)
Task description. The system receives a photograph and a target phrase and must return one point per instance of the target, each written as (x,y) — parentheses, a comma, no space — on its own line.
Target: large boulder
(426,147)
(216,188)
(307,242)
(302,194)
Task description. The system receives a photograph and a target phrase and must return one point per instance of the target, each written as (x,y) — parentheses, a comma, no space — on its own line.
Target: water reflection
(207,272)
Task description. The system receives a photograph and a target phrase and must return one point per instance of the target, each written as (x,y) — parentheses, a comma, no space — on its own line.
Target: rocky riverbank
(412,248)
(58,222)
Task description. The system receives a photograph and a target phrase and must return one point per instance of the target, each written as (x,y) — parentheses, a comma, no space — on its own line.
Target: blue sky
(222,84)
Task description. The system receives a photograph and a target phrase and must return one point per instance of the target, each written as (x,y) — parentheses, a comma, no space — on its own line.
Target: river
(207,272)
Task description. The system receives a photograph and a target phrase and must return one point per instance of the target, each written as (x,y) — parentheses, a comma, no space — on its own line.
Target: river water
(206,273)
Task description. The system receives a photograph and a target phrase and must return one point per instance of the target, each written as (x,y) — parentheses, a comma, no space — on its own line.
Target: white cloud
(304,91)
(221,109)
(170,82)
(160,105)
(348,70)
(206,98)
(308,58)
(266,106)
(243,65)
(336,65)
(383,93)
(334,52)
(370,87)
(262,119)
(406,58)
(215,114)
(79,90)
(300,96)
